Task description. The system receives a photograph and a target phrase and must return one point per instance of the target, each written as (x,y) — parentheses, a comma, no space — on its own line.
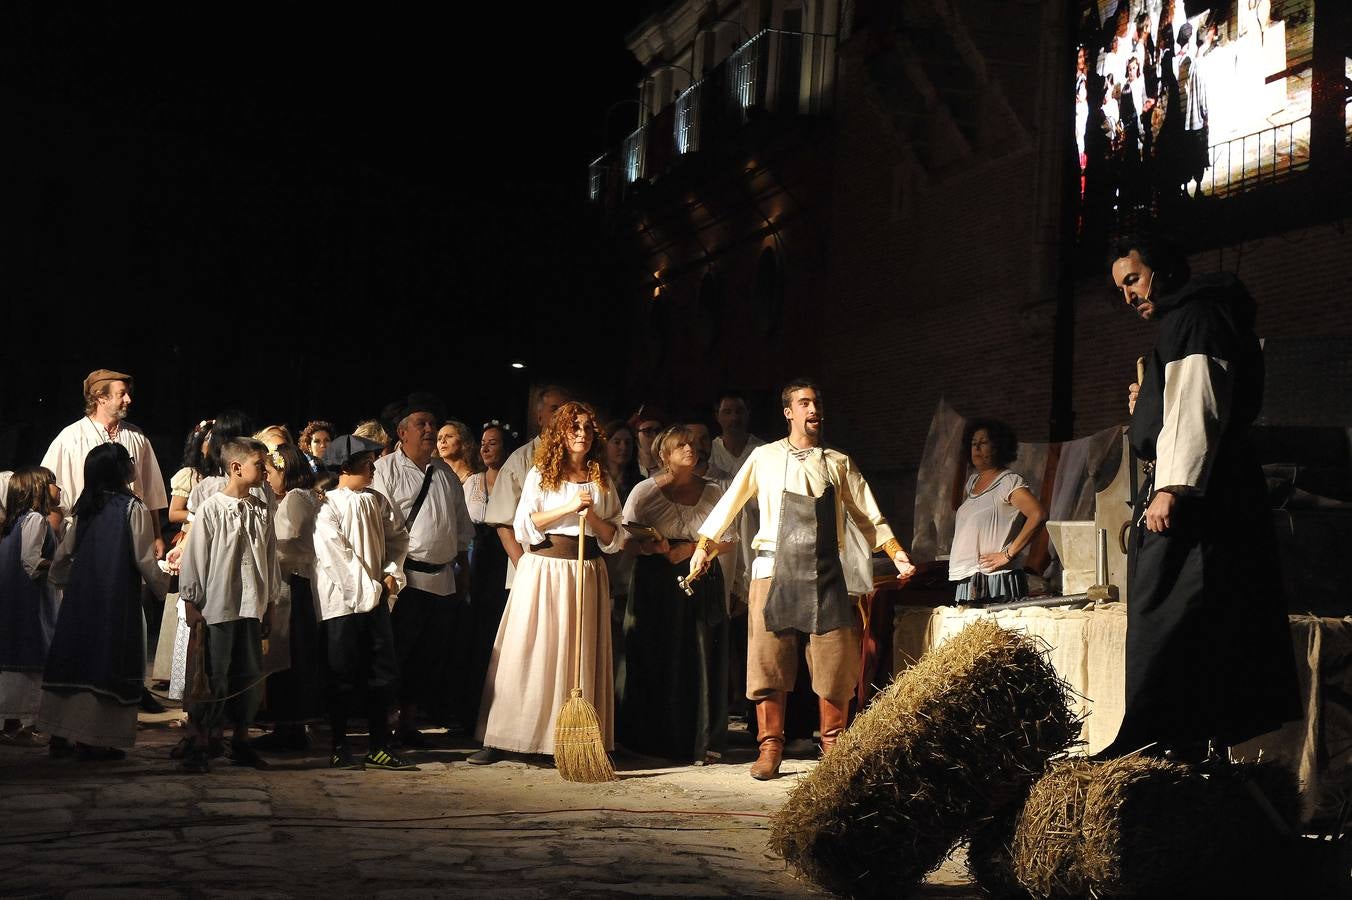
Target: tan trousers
(834,659)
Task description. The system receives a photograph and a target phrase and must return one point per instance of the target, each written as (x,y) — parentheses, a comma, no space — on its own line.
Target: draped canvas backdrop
(1064,475)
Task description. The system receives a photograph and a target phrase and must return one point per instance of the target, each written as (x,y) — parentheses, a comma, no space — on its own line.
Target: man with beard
(1208,647)
(107,396)
(797,580)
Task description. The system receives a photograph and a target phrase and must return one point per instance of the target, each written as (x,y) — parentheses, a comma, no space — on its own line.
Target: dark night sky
(479,121)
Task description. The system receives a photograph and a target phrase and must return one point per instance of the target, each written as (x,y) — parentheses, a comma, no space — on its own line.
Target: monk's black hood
(1213,287)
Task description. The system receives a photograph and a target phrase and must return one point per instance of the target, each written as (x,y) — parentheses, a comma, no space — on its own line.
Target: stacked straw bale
(1143,827)
(990,862)
(954,739)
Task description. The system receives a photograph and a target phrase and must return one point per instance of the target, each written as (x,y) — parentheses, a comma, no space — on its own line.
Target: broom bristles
(579,753)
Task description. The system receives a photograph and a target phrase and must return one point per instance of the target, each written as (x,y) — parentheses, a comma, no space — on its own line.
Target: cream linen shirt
(738,569)
(443,528)
(534,498)
(295,529)
(66,458)
(501,510)
(359,539)
(770,470)
(230,569)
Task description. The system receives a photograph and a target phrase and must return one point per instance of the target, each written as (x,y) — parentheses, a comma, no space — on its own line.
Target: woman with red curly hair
(531,671)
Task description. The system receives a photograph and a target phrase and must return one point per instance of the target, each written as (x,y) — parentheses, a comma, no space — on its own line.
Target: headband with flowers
(494,423)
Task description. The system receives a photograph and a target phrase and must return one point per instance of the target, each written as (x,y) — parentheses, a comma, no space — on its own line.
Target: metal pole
(1045,602)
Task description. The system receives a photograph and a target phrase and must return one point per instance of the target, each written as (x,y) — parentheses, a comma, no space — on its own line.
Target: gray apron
(807,590)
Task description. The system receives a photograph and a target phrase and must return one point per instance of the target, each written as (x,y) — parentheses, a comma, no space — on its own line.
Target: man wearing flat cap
(428,497)
(107,396)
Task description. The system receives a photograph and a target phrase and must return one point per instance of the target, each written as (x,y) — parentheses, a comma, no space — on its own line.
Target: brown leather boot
(833,720)
(770,734)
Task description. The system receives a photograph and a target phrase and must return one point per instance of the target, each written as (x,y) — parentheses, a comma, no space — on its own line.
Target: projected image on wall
(1177,100)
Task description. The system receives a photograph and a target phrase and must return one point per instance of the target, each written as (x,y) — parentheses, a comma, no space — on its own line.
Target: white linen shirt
(443,528)
(982,524)
(295,528)
(476,497)
(739,571)
(770,470)
(229,570)
(534,498)
(211,485)
(33,530)
(722,457)
(506,496)
(66,458)
(647,505)
(359,539)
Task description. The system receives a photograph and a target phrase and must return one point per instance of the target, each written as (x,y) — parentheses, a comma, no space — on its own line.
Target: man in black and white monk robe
(1208,647)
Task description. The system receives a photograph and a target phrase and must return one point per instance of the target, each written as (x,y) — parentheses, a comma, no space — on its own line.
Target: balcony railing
(687,118)
(598,178)
(762,77)
(1259,159)
(632,152)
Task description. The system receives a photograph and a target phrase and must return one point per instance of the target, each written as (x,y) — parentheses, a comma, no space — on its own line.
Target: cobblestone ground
(143,828)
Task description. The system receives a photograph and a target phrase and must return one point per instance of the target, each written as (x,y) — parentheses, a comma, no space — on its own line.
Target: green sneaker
(384,759)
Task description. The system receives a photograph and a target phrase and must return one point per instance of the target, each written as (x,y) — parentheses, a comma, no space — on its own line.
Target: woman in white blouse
(532,669)
(984,560)
(487,558)
(672,686)
(294,661)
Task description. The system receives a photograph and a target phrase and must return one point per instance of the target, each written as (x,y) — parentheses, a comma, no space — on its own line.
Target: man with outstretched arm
(797,581)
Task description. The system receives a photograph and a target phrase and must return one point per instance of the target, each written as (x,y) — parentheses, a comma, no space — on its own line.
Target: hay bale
(990,859)
(958,736)
(1143,827)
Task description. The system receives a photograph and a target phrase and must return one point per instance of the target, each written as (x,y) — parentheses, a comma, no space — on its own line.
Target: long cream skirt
(533,667)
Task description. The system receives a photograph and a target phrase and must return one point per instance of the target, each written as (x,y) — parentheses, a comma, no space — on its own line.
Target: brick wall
(900,291)
(930,283)
(932,299)
(1299,279)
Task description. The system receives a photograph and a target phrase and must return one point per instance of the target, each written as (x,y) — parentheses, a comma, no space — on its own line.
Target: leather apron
(807,589)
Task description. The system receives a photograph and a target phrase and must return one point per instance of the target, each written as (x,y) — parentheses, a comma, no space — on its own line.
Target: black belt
(564,546)
(426,568)
(765,554)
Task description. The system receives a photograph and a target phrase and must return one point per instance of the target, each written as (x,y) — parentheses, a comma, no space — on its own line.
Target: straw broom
(579,752)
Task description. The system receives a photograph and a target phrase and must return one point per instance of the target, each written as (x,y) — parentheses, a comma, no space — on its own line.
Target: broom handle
(581,580)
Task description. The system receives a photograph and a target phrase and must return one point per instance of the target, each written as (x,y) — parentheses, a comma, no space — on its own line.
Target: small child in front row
(360,544)
(230,579)
(28,605)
